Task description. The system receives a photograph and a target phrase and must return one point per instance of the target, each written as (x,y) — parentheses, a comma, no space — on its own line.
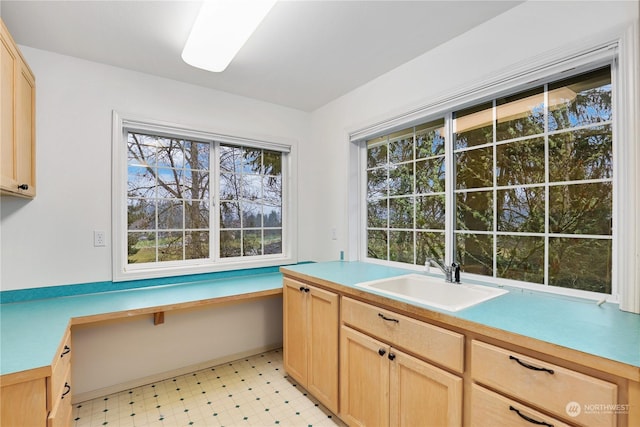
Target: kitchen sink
(433,291)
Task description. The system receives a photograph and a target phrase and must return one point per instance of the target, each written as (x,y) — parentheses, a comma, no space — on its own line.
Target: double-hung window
(518,187)
(197,202)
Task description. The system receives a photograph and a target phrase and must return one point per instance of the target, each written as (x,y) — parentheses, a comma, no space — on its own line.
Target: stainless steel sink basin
(433,291)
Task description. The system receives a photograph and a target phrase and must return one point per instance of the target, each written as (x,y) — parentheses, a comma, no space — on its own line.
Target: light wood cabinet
(539,384)
(17,104)
(311,325)
(40,397)
(381,385)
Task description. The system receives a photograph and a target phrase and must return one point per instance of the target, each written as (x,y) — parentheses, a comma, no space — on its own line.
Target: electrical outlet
(99,238)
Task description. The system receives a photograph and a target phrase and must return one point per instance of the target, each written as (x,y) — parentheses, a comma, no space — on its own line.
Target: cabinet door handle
(307,290)
(382,351)
(531,420)
(301,288)
(66,350)
(392,356)
(388,319)
(526,365)
(67,390)
(23,187)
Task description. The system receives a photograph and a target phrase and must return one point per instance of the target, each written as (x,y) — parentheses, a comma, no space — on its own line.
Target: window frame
(122,270)
(617,51)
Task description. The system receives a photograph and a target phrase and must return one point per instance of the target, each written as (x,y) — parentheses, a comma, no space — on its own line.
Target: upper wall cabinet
(17,111)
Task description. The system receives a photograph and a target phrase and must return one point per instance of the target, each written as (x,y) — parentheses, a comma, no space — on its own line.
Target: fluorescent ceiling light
(221,29)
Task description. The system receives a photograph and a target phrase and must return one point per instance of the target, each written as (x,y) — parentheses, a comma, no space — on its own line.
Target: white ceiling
(303,55)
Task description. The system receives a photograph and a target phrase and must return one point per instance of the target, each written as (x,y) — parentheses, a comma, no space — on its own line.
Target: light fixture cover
(221,29)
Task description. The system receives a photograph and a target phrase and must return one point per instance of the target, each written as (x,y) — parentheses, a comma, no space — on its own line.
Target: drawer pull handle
(382,351)
(388,319)
(531,420)
(66,350)
(24,187)
(67,390)
(526,365)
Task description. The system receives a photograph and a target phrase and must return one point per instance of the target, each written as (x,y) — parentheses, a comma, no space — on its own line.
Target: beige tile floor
(253,391)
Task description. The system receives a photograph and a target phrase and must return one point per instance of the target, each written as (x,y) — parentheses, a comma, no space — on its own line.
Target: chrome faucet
(451,273)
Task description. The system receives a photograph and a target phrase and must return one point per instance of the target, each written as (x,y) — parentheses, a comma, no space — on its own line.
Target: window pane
(520,258)
(430,139)
(521,209)
(140,182)
(230,242)
(401,212)
(196,185)
(196,214)
(520,162)
(197,155)
(272,163)
(377,213)
(169,183)
(580,100)
(474,210)
(251,214)
(581,208)
(430,212)
(252,160)
(230,186)
(272,242)
(272,216)
(430,175)
(377,152)
(401,246)
(377,244)
(376,183)
(582,154)
(230,159)
(141,214)
(196,245)
(474,252)
(141,247)
(170,246)
(140,154)
(474,168)
(401,179)
(230,214)
(252,242)
(580,264)
(170,214)
(429,245)
(170,153)
(401,146)
(473,126)
(520,115)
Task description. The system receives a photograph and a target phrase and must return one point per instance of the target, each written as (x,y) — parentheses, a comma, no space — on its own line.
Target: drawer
(61,414)
(61,363)
(491,409)
(436,344)
(540,384)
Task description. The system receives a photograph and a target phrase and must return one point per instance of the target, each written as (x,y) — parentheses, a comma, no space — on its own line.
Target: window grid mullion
(545,280)
(494,203)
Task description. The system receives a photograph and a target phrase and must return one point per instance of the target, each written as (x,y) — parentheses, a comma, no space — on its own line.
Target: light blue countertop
(569,322)
(31,331)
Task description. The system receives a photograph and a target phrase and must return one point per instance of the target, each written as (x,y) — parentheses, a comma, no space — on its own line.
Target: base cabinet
(311,325)
(383,386)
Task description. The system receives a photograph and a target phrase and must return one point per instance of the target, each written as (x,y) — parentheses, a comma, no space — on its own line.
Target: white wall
(116,355)
(49,240)
(524,32)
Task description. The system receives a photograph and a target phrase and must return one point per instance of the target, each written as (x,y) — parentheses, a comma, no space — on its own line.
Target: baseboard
(89,395)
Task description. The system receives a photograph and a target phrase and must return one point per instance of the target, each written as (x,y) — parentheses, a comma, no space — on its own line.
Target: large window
(196,202)
(530,187)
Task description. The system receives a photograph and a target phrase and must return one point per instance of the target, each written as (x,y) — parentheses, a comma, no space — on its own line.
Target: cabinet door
(322,346)
(8,59)
(422,394)
(25,131)
(364,380)
(24,404)
(295,330)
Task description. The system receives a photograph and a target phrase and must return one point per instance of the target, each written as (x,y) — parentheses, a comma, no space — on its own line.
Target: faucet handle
(456,272)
